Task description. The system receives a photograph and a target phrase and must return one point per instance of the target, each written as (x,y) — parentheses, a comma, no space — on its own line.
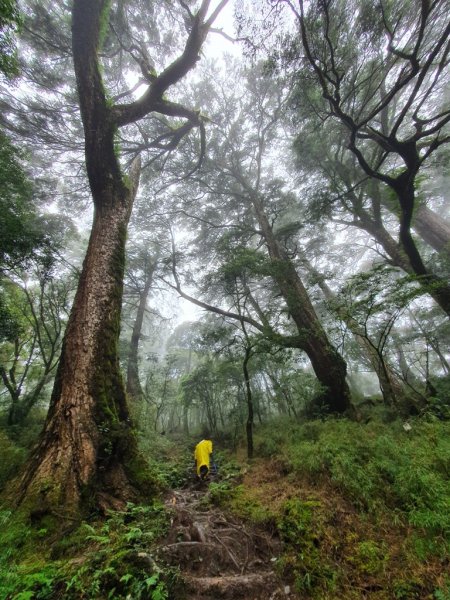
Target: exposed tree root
(251,586)
(218,555)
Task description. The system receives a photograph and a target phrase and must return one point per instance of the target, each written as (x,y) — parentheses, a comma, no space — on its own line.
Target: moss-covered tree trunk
(87,453)
(88,440)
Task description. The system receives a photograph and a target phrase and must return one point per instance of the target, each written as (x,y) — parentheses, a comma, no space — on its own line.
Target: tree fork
(87,454)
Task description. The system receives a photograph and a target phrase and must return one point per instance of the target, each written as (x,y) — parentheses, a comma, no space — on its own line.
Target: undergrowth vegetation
(378,467)
(108,558)
(363,511)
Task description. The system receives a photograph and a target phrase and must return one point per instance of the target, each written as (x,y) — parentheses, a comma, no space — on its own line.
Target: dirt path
(218,555)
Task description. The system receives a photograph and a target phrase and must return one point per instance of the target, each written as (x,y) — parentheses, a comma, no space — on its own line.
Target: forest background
(288,176)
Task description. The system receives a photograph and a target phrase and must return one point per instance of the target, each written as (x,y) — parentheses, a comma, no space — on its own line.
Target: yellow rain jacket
(203,451)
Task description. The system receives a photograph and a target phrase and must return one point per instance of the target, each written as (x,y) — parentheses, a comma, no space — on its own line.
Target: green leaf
(151,581)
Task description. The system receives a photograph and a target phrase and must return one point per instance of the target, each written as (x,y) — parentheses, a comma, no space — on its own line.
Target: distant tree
(248,348)
(203,388)
(372,304)
(390,384)
(184,344)
(22,232)
(26,239)
(140,275)
(29,355)
(160,392)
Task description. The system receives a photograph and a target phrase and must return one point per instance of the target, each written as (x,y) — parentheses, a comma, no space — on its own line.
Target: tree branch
(152,100)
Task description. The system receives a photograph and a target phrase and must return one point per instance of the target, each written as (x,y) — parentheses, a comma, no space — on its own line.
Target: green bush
(219,493)
(301,531)
(170,466)
(15,535)
(12,457)
(370,557)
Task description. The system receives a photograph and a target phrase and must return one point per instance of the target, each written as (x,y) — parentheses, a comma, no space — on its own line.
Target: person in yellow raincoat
(202,455)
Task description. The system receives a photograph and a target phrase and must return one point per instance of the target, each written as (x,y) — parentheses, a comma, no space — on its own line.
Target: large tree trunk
(87,453)
(87,439)
(432,229)
(406,255)
(437,286)
(328,365)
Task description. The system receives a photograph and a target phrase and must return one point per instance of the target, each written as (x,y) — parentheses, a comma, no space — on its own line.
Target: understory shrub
(301,531)
(109,559)
(12,457)
(378,467)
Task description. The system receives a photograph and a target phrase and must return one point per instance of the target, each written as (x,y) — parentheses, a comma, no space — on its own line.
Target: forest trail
(218,555)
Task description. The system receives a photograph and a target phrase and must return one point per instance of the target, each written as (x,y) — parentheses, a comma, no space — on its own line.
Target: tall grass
(378,467)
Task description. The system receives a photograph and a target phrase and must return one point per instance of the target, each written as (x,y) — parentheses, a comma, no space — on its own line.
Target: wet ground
(218,555)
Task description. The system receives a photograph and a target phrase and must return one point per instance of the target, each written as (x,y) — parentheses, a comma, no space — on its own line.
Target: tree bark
(87,454)
(432,229)
(328,365)
(87,439)
(134,388)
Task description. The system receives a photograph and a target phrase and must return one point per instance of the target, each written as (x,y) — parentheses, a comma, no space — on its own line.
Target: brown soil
(220,556)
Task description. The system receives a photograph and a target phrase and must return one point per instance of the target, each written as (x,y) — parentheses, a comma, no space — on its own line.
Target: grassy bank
(363,511)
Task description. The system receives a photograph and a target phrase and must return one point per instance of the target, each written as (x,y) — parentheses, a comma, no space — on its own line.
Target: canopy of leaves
(10,20)
(20,228)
